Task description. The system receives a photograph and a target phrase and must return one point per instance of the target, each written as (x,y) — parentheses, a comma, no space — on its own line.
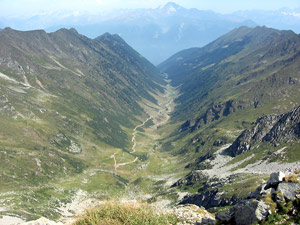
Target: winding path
(135,132)
(133,140)
(117,165)
(167,109)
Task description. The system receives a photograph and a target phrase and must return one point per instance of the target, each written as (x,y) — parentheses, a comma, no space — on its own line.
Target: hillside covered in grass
(243,89)
(67,104)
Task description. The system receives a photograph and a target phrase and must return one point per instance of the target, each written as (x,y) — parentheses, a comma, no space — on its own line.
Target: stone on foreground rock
(289,190)
(275,178)
(192,214)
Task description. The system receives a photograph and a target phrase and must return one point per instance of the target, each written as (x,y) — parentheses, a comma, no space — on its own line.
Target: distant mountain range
(158,33)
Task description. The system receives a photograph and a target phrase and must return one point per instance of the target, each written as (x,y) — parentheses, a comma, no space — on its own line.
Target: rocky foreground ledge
(276,201)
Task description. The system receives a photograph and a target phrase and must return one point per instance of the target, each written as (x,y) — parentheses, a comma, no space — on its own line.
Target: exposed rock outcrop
(246,212)
(269,128)
(286,129)
(275,179)
(247,139)
(289,190)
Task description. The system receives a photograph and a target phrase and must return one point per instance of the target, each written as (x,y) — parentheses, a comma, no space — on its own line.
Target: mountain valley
(86,120)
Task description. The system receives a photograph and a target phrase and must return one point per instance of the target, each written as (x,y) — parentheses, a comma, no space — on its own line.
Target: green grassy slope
(67,104)
(248,66)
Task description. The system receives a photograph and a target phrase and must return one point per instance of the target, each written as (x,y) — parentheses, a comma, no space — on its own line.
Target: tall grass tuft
(114,213)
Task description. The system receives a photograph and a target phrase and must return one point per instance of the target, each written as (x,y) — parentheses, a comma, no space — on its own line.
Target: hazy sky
(30,7)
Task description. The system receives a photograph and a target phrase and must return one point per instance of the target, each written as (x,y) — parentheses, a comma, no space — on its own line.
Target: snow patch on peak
(171,10)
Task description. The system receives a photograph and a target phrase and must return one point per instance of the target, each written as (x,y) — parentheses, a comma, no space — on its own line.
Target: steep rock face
(260,128)
(269,128)
(286,129)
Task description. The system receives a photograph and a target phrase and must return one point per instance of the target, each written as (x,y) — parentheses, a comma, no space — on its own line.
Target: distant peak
(172,4)
(171,7)
(8,28)
(106,35)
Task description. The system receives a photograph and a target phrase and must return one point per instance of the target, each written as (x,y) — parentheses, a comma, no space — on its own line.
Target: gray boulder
(289,190)
(225,218)
(251,211)
(246,212)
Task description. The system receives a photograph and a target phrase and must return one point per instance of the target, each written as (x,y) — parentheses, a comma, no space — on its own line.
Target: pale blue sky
(30,7)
